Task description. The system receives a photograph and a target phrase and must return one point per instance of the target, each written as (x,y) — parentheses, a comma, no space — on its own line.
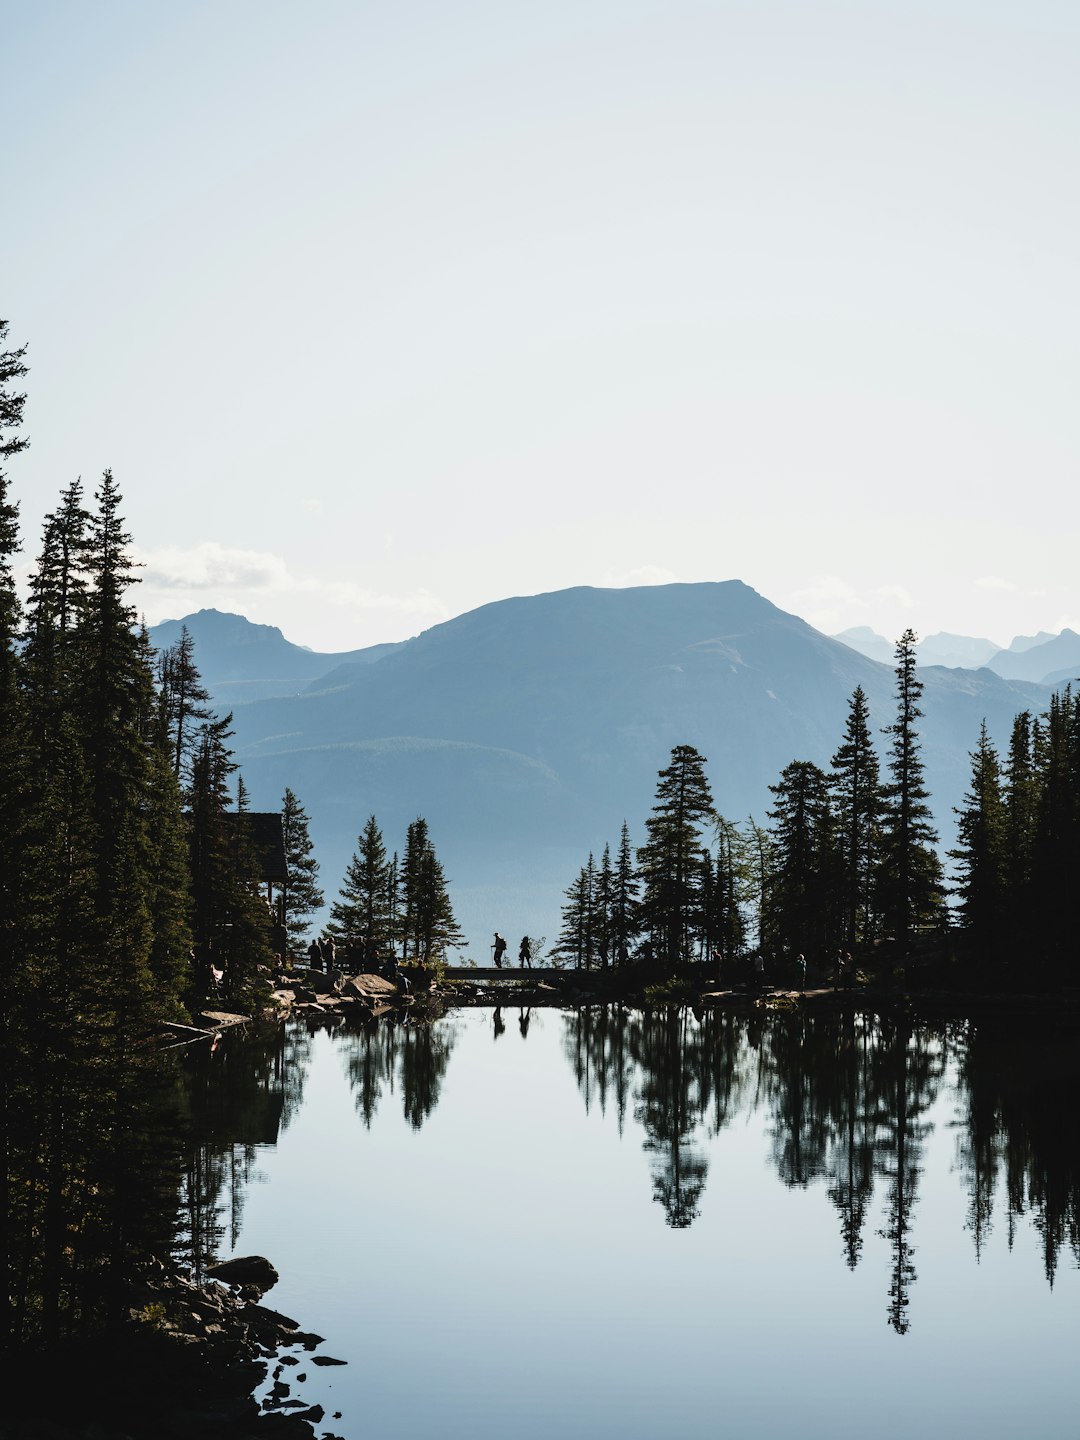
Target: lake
(614,1223)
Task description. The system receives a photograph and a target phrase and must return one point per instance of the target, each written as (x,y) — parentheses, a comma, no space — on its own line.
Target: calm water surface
(608,1223)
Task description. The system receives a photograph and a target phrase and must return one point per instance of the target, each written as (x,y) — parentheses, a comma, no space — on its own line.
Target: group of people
(524,951)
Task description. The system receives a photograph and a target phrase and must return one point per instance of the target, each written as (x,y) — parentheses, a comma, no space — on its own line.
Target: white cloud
(210,566)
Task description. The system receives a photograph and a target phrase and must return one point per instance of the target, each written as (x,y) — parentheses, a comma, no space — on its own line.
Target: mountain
(1057,656)
(525,731)
(867,642)
(240,661)
(956,651)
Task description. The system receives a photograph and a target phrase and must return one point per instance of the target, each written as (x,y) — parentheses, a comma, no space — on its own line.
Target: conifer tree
(364,904)
(575,938)
(727,925)
(602,904)
(981,856)
(1056,842)
(1021,816)
(624,898)
(856,787)
(803,857)
(183,700)
(303,897)
(670,860)
(428,927)
(911,889)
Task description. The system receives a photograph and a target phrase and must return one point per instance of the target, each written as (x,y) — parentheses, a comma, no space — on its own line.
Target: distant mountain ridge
(242,661)
(1042,659)
(525,731)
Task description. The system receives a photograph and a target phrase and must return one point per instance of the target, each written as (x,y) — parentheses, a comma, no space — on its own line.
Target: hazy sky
(381,311)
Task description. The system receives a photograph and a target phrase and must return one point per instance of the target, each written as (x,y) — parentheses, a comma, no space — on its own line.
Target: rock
(307,1339)
(253,1270)
(326,1360)
(314,1413)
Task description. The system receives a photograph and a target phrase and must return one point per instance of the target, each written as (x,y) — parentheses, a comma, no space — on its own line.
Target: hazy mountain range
(525,731)
(1043,659)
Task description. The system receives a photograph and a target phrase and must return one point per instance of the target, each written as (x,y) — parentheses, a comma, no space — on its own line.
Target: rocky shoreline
(184,1363)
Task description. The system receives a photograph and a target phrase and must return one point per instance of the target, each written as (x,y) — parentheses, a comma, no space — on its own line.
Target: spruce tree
(575,937)
(303,897)
(911,888)
(855,781)
(802,875)
(670,860)
(624,898)
(183,700)
(980,853)
(1021,815)
(428,927)
(364,906)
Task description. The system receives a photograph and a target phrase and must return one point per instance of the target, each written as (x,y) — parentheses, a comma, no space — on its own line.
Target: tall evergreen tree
(911,888)
(576,937)
(428,927)
(980,853)
(670,860)
(183,700)
(303,897)
(727,926)
(1056,842)
(803,860)
(856,786)
(624,898)
(364,904)
(1021,817)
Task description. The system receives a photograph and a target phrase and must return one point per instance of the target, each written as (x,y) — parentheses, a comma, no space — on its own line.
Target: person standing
(525,953)
(500,950)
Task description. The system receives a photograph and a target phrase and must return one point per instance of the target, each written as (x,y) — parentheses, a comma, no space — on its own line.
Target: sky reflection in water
(613,1224)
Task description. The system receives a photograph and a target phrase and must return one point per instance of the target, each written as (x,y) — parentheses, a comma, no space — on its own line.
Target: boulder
(253,1270)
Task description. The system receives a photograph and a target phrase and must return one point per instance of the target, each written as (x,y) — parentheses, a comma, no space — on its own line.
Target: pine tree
(183,700)
(303,897)
(624,898)
(980,853)
(1056,842)
(670,860)
(727,927)
(602,904)
(856,786)
(911,889)
(364,904)
(803,859)
(428,927)
(1021,816)
(575,938)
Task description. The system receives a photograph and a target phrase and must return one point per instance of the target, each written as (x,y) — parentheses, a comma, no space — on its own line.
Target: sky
(383,311)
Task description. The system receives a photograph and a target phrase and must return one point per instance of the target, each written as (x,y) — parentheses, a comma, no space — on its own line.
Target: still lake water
(609,1223)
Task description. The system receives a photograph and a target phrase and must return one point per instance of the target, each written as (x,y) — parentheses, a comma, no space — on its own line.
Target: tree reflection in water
(846,1100)
(393,1054)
